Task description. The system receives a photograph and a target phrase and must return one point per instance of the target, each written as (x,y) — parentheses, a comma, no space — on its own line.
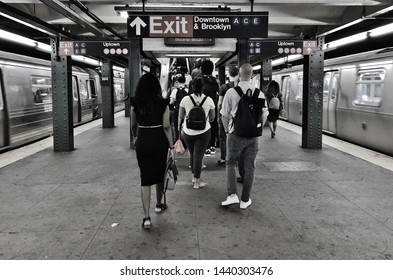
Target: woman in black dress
(273,90)
(150,123)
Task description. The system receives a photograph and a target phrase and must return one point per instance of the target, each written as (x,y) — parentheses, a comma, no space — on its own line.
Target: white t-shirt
(187,104)
(231,100)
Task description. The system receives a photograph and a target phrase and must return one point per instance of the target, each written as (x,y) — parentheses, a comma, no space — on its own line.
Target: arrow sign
(138,22)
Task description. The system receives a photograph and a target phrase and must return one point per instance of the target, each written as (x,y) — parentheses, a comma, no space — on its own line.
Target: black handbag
(171,174)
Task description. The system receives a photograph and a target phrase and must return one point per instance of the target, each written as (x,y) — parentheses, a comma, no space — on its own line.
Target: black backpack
(181,92)
(248,118)
(196,118)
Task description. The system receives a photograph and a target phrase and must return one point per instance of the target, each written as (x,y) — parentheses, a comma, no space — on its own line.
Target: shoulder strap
(239,91)
(203,100)
(192,100)
(256,93)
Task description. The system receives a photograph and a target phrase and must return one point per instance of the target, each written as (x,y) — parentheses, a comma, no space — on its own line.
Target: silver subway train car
(357,98)
(26,98)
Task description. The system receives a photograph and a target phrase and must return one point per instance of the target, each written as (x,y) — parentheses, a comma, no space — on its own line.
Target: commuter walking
(233,80)
(243,128)
(176,96)
(150,123)
(196,112)
(211,89)
(275,105)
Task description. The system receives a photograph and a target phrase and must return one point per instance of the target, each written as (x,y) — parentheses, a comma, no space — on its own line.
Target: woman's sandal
(160,208)
(146,224)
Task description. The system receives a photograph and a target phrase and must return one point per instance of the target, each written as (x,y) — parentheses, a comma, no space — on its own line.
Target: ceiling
(100,20)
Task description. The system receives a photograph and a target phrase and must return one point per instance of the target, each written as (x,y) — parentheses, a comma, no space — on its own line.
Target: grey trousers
(247,148)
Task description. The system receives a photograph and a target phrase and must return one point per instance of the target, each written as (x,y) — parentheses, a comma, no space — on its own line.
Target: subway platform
(330,204)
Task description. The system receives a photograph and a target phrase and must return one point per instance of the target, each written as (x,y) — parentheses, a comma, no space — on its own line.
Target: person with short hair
(211,89)
(239,146)
(233,80)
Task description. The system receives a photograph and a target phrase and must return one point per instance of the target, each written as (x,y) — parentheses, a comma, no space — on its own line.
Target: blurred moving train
(26,98)
(357,98)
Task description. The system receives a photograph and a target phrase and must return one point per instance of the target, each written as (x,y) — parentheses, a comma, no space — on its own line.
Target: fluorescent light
(283,60)
(44,47)
(87,60)
(256,67)
(24,23)
(17,39)
(124,14)
(117,68)
(341,27)
(347,40)
(381,30)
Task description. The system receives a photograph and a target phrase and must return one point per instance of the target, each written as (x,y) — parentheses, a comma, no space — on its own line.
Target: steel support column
(312,100)
(221,74)
(108,99)
(63,128)
(243,52)
(135,72)
(266,74)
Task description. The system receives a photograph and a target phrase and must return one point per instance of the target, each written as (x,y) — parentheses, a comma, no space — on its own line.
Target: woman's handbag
(171,174)
(179,148)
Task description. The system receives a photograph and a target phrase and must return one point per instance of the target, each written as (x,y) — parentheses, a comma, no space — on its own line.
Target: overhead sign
(284,47)
(205,25)
(189,41)
(94,48)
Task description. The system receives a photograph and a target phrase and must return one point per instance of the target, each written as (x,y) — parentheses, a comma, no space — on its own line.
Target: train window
(83,90)
(118,85)
(286,86)
(326,86)
(335,85)
(1,98)
(299,90)
(93,88)
(369,88)
(75,88)
(41,88)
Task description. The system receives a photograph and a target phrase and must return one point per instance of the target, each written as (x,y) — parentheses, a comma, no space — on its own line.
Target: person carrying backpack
(195,114)
(242,120)
(275,105)
(177,95)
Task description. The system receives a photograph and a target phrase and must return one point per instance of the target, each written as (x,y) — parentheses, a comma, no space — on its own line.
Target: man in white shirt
(237,145)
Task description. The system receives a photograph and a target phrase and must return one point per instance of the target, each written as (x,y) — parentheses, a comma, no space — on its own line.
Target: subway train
(26,100)
(357,98)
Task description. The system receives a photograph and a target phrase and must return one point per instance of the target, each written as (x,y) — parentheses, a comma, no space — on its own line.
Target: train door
(85,100)
(330,91)
(93,90)
(3,133)
(285,90)
(76,106)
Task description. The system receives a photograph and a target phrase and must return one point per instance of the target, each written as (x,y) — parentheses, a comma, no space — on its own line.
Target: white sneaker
(244,205)
(231,199)
(193,180)
(199,184)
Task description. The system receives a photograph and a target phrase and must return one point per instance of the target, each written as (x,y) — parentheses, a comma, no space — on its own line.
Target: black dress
(152,144)
(273,113)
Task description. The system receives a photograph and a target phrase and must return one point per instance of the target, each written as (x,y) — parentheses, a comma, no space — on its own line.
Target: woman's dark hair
(274,87)
(147,93)
(207,67)
(198,86)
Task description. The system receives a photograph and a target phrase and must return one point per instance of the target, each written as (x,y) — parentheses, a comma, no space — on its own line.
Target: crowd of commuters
(157,122)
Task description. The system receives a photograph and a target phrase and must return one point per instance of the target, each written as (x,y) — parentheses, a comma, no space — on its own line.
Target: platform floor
(307,204)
